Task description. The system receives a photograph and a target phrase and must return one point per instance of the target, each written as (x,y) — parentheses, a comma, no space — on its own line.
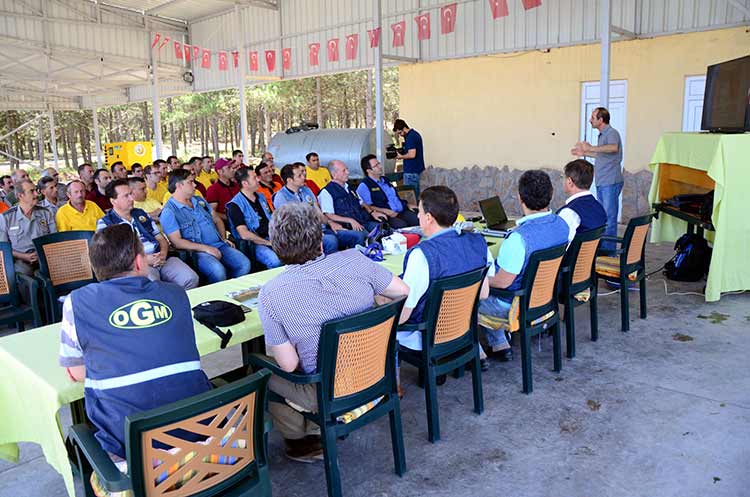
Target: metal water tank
(347,145)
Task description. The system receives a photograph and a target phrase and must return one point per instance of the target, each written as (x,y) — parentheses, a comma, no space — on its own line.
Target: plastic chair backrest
(635,237)
(64,258)
(8,292)
(232,416)
(581,255)
(540,281)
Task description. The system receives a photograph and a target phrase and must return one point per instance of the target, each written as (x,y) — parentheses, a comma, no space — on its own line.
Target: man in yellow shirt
(78,213)
(163,167)
(155,190)
(319,175)
(207,176)
(141,201)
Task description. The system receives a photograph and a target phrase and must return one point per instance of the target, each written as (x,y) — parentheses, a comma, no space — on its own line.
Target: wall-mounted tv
(726,101)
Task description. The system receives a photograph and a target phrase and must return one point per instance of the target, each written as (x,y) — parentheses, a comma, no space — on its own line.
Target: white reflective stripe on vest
(143,376)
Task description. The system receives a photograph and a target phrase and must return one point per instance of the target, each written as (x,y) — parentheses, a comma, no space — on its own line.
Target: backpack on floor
(691,260)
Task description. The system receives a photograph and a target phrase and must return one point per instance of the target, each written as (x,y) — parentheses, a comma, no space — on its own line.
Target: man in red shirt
(97,195)
(224,189)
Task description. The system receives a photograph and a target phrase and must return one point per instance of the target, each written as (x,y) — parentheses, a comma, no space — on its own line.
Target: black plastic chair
(232,415)
(450,339)
(578,284)
(64,266)
(408,194)
(12,311)
(356,367)
(537,307)
(628,265)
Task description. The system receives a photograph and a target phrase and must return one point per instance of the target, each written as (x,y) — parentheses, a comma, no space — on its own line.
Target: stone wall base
(473,184)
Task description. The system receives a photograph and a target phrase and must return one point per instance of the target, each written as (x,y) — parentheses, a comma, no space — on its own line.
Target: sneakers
(305,450)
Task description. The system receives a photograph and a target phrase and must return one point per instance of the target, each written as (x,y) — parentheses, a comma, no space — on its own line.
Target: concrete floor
(647,413)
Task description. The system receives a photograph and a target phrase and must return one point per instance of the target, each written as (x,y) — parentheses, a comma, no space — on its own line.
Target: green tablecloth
(726,160)
(34,387)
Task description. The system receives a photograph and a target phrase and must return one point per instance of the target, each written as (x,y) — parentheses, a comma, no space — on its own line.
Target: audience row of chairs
(356,368)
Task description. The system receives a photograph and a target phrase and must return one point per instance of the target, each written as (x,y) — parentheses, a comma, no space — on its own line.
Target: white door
(618,92)
(692,110)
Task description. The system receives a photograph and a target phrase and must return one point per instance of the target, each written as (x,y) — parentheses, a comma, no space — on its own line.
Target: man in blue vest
(129,339)
(294,177)
(414,156)
(249,216)
(340,205)
(443,252)
(188,222)
(538,229)
(377,192)
(155,246)
(582,212)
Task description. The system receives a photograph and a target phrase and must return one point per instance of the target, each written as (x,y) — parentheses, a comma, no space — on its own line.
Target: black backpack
(691,261)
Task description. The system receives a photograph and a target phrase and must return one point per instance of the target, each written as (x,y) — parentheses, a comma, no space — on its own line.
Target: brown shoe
(400,392)
(306,450)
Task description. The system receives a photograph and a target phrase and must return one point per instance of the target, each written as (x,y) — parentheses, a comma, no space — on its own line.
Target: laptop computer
(494,214)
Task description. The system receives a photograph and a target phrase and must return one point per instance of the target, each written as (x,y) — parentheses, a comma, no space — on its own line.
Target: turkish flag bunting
(223,63)
(314,51)
(423,26)
(499,8)
(196,53)
(206,59)
(398,29)
(164,41)
(178,50)
(187,49)
(157,37)
(333,50)
(448,18)
(286,58)
(374,35)
(271,60)
(235,58)
(530,4)
(352,44)
(254,61)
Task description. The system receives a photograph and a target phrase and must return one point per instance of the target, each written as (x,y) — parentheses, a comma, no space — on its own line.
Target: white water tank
(347,145)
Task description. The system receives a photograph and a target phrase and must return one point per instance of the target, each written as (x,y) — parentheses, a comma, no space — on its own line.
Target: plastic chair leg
(430,394)
(570,331)
(397,438)
(594,311)
(476,384)
(557,348)
(624,304)
(331,462)
(526,361)
(643,298)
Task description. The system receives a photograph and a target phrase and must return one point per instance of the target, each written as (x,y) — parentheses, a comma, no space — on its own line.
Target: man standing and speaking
(413,157)
(607,168)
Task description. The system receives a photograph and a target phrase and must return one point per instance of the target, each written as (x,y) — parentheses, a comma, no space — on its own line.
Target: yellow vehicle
(127,152)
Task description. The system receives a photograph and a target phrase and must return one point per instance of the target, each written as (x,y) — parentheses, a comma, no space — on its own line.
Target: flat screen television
(726,101)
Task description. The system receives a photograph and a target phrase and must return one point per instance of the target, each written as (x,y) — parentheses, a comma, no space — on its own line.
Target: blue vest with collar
(589,210)
(346,204)
(252,221)
(111,218)
(189,219)
(539,233)
(133,326)
(378,196)
(448,254)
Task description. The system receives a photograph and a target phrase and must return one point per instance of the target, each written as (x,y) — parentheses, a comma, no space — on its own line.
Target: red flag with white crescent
(286,58)
(187,50)
(235,58)
(352,45)
(164,41)
(448,18)
(254,61)
(223,62)
(423,26)
(398,29)
(271,60)
(178,50)
(374,35)
(196,53)
(333,50)
(157,37)
(499,8)
(206,59)
(314,51)
(530,4)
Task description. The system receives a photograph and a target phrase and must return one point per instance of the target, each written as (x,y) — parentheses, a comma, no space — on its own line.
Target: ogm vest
(139,350)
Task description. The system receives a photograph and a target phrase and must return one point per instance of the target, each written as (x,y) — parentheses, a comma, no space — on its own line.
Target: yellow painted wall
(523,110)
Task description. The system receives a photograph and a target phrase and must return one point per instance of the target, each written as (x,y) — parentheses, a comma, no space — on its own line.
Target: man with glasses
(155,189)
(376,192)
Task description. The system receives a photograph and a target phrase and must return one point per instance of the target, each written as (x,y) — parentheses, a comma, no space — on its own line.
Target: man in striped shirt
(293,306)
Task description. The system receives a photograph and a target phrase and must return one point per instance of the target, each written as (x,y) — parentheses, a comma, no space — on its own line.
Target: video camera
(391,151)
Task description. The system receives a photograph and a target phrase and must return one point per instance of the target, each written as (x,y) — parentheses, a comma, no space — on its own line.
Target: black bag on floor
(215,313)
(691,261)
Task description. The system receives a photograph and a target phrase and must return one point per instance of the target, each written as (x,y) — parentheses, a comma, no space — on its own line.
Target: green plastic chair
(538,309)
(450,340)
(64,266)
(577,276)
(232,415)
(356,366)
(628,265)
(12,311)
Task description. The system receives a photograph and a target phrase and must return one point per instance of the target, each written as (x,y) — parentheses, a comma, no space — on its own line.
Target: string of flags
(447,15)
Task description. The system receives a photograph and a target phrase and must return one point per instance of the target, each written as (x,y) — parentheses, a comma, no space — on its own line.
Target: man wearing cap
(224,189)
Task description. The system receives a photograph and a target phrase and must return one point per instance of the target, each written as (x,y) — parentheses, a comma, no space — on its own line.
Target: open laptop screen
(492,210)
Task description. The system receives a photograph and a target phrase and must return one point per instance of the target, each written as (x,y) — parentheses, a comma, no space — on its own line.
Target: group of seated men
(344,283)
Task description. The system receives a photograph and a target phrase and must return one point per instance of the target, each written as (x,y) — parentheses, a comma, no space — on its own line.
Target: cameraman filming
(413,155)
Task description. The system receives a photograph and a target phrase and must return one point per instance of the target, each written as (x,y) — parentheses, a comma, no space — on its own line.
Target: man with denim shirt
(249,216)
(187,221)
